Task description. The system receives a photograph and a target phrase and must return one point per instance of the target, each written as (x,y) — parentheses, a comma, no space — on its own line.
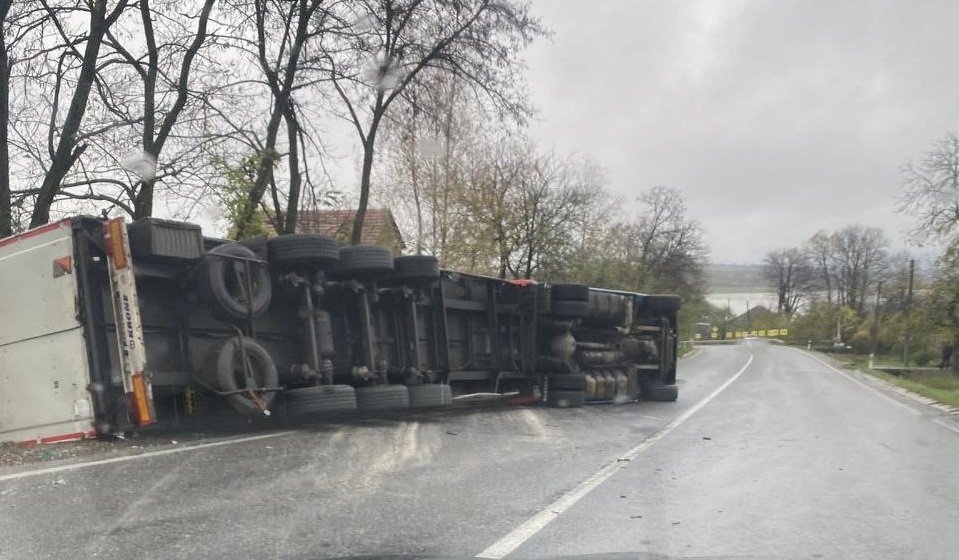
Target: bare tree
(931,190)
(820,250)
(860,261)
(426,147)
(66,145)
(542,212)
(789,272)
(671,244)
(163,70)
(10,35)
(285,33)
(399,42)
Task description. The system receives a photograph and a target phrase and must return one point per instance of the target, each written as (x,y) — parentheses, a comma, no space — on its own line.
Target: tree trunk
(369,145)
(6,219)
(264,170)
(293,162)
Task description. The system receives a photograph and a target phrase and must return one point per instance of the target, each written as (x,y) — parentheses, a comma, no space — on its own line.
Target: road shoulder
(882,384)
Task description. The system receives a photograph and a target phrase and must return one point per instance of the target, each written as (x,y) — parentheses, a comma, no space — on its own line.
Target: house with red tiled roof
(379,227)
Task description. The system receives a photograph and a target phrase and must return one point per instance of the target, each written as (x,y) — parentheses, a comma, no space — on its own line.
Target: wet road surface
(785,458)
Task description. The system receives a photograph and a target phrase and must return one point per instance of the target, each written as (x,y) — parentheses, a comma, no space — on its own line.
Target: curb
(922,399)
(892,388)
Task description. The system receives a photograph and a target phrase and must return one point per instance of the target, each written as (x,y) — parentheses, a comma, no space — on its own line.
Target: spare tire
(364,261)
(416,267)
(298,250)
(430,396)
(307,402)
(566,399)
(221,282)
(224,371)
(382,397)
(569,292)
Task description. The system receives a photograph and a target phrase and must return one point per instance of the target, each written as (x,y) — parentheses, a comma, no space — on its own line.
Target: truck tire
(567,382)
(222,284)
(430,396)
(569,308)
(363,261)
(224,371)
(308,402)
(566,399)
(658,392)
(416,267)
(382,397)
(570,292)
(303,250)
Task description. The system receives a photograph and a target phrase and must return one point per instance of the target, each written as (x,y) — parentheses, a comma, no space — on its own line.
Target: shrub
(921,358)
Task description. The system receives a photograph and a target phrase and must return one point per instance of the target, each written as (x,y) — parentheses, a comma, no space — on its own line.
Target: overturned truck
(107,327)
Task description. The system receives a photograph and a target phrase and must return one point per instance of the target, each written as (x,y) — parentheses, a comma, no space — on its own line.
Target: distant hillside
(735,278)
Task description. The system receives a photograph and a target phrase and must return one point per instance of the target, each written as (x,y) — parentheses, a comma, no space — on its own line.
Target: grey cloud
(774,118)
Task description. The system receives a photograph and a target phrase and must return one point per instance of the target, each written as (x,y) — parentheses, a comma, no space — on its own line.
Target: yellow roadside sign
(713,335)
(783,332)
(773,332)
(762,333)
(698,336)
(739,334)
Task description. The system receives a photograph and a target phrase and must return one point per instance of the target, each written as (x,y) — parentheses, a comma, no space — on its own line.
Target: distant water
(738,301)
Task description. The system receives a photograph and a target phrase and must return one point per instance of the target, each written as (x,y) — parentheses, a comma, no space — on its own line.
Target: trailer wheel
(567,381)
(659,393)
(569,308)
(570,292)
(430,396)
(566,399)
(222,283)
(416,267)
(303,250)
(382,397)
(364,261)
(224,370)
(307,402)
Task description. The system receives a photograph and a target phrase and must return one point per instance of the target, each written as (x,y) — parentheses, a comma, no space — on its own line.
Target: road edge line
(525,531)
(879,392)
(145,455)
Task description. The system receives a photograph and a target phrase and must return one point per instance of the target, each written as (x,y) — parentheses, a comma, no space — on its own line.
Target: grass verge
(942,386)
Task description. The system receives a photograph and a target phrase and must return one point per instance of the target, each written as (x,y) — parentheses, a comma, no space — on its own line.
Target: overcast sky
(774,118)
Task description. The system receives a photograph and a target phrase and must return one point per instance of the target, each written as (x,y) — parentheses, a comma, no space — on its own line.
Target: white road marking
(878,392)
(946,425)
(146,455)
(544,517)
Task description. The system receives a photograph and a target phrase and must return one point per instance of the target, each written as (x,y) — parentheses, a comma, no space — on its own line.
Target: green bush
(921,358)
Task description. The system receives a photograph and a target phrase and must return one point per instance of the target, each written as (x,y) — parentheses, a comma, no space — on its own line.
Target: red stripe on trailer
(32,233)
(58,438)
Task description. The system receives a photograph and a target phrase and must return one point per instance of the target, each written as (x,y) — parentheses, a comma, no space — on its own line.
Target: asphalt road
(791,460)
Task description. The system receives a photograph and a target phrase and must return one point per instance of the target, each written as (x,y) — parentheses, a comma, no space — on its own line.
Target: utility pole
(908,335)
(875,314)
(726,318)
